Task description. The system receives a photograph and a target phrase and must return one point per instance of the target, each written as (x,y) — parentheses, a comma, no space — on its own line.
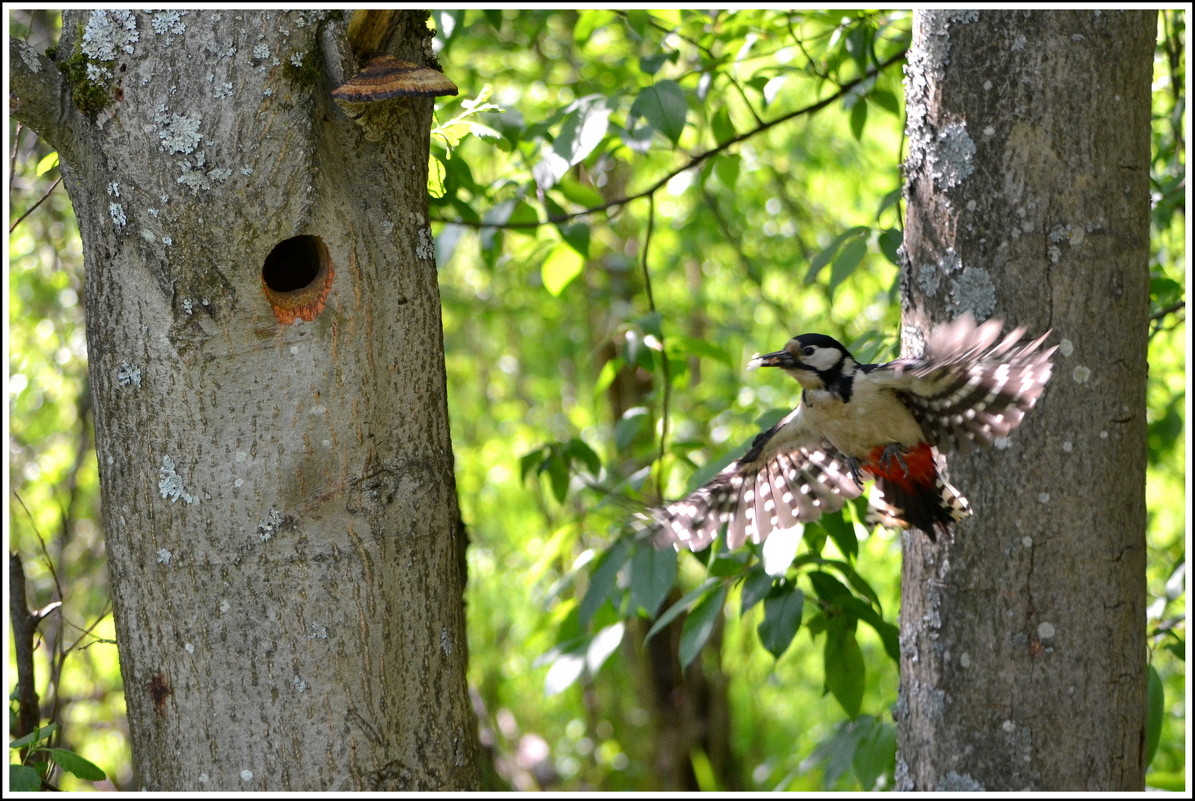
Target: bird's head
(815,360)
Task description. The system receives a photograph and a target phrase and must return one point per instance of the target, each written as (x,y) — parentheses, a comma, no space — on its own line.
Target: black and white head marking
(817,362)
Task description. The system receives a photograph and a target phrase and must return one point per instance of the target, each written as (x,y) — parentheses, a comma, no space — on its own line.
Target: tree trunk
(278,492)
(1023,659)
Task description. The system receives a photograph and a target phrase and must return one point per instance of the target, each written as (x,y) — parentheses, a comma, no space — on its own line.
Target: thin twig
(12,159)
(33,208)
(666,396)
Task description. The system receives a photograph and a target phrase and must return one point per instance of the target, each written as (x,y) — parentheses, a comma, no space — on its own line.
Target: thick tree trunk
(1022,650)
(279,502)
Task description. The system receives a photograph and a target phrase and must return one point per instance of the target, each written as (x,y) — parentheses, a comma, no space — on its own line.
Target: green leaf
(826,586)
(722,127)
(47,163)
(602,580)
(650,65)
(653,572)
(581,451)
(589,21)
(585,125)
(875,752)
(781,618)
(858,119)
(523,214)
(602,645)
(684,603)
(889,634)
(890,241)
(73,763)
(651,324)
(756,586)
(577,237)
(565,669)
(639,23)
(857,582)
(1155,714)
(529,461)
(842,532)
(823,258)
(558,474)
(699,625)
(846,261)
(582,194)
(726,167)
(729,563)
(1164,291)
(451,134)
(628,428)
(664,107)
(435,177)
(844,667)
(35,736)
(562,265)
(885,100)
(772,88)
(22,778)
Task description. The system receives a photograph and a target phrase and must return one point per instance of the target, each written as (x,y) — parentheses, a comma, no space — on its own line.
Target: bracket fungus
(386,78)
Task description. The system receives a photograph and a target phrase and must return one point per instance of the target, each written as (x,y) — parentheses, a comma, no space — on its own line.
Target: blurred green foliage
(627,204)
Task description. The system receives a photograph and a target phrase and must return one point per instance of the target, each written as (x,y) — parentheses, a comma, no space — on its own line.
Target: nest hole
(296,278)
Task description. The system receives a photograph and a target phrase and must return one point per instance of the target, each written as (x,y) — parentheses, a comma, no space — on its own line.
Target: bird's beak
(780,358)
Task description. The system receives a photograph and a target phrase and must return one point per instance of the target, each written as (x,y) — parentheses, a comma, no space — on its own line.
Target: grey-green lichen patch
(30,59)
(927,277)
(177,133)
(108,33)
(973,290)
(129,374)
(196,178)
(954,781)
(166,23)
(170,483)
(953,158)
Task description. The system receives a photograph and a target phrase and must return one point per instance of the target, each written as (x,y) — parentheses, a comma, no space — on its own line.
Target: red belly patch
(919,460)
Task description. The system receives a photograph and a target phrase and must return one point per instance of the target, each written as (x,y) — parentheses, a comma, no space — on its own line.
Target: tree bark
(278,497)
(1023,658)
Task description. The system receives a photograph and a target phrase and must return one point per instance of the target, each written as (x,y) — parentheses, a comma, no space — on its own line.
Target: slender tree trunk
(278,493)
(1022,650)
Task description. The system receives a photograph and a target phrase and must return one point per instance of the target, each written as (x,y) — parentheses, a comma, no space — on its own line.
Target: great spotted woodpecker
(890,421)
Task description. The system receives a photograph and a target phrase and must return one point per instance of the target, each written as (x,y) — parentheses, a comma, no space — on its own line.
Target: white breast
(872,417)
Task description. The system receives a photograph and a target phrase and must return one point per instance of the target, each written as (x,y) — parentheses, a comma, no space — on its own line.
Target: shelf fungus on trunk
(377,93)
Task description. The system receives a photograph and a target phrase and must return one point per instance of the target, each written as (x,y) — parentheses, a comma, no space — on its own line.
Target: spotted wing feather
(971,386)
(790,475)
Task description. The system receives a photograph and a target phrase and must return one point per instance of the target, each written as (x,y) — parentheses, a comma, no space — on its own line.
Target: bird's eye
(808,350)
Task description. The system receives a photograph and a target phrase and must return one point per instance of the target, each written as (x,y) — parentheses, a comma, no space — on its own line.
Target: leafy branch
(695,161)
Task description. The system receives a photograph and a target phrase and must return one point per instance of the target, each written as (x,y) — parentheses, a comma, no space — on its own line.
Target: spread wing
(790,475)
(968,388)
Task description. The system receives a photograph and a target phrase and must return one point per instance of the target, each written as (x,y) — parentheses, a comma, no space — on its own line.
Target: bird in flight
(889,421)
